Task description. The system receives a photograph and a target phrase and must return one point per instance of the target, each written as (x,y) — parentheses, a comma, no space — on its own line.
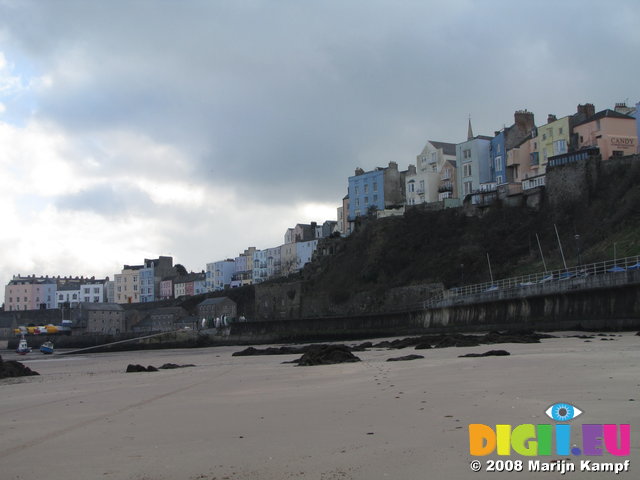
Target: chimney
(551,118)
(621,107)
(588,110)
(393,165)
(412,169)
(524,120)
(359,171)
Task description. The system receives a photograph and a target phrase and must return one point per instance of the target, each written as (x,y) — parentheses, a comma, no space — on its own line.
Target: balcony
(445,187)
(533,182)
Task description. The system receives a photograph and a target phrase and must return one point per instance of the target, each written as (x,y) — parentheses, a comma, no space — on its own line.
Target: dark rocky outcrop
(12,368)
(138,368)
(167,366)
(490,353)
(405,358)
(171,366)
(326,355)
(250,351)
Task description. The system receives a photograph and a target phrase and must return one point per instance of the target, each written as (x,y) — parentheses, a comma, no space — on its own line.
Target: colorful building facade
(615,134)
(30,293)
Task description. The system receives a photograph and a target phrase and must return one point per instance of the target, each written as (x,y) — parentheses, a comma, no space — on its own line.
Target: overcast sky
(133,129)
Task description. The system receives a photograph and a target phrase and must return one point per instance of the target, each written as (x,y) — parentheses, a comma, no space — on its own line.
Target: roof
(608,113)
(31,280)
(69,286)
(168,311)
(114,307)
(190,277)
(214,301)
(447,148)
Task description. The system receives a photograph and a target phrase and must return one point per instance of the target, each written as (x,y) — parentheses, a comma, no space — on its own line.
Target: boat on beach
(23,347)
(47,348)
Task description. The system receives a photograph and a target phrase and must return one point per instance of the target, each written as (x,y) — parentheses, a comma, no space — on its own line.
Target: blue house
(497,155)
(505,140)
(366,190)
(147,283)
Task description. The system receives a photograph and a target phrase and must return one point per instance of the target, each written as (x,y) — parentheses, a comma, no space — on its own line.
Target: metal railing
(488,289)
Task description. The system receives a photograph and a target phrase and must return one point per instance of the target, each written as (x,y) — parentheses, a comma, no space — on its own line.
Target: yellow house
(553,139)
(127,284)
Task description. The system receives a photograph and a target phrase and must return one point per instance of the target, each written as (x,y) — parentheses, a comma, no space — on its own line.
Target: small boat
(47,348)
(23,348)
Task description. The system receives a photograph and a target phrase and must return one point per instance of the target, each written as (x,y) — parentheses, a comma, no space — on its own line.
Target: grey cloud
(285,99)
(118,200)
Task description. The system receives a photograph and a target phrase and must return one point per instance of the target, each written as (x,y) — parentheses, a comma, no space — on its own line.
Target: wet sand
(256,418)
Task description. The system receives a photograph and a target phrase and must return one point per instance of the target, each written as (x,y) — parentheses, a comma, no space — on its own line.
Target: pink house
(166,289)
(612,132)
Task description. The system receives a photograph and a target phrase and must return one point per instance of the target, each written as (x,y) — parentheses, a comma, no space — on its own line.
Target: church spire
(469,131)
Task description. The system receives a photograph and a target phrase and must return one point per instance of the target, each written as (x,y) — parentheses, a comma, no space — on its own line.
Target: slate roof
(447,148)
(608,113)
(101,307)
(214,301)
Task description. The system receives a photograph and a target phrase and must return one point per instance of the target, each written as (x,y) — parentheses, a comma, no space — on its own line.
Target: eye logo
(563,412)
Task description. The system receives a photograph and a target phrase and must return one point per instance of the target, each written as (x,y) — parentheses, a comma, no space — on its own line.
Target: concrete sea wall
(594,307)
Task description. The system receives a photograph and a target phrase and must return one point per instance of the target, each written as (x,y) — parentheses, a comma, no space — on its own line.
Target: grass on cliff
(446,246)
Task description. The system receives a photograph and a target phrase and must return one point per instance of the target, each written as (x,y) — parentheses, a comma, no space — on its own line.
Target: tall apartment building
(473,163)
(127,284)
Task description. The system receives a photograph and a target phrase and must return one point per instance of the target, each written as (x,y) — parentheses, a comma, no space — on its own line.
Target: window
(559,147)
(357,202)
(96,290)
(87,290)
(366,200)
(467,187)
(375,186)
(533,158)
(375,198)
(357,190)
(544,136)
(466,154)
(499,179)
(466,170)
(498,163)
(411,186)
(560,131)
(366,188)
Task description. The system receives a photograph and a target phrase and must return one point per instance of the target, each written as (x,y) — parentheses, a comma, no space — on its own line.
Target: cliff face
(597,202)
(402,260)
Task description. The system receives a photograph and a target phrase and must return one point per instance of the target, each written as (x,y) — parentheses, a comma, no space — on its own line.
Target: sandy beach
(257,418)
